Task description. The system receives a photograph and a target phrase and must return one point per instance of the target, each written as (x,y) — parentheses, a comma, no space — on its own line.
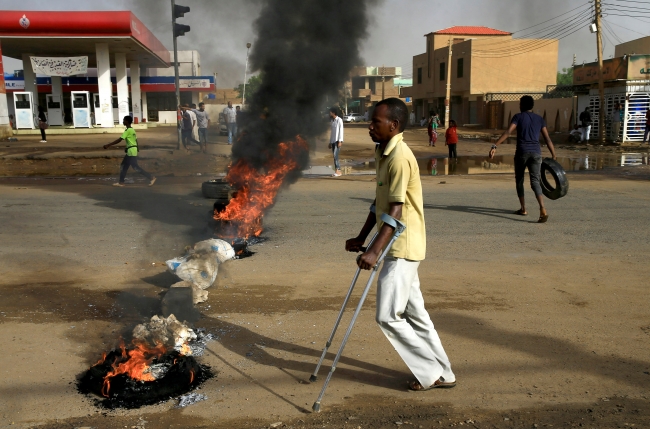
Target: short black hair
(128,119)
(452,123)
(397,111)
(334,110)
(526,103)
(201,104)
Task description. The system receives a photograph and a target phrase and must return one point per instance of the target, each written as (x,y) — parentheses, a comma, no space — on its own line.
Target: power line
(629,29)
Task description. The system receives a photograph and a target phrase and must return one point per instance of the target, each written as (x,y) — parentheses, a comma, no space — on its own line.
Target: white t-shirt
(337,130)
(230,114)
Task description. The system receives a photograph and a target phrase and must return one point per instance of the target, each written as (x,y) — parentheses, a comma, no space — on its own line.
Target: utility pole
(574,60)
(243,95)
(448,95)
(601,81)
(383,82)
(178,11)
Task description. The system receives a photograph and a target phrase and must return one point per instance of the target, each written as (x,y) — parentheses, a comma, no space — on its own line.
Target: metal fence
(512,96)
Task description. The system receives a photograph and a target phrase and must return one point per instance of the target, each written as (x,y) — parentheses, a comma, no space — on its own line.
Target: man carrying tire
(528,153)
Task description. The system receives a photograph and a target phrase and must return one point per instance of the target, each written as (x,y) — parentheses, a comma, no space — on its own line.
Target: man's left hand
(367,260)
(338,144)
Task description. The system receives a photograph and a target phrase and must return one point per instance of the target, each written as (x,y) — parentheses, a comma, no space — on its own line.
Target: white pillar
(105,114)
(145,111)
(4,108)
(30,80)
(122,86)
(57,86)
(136,101)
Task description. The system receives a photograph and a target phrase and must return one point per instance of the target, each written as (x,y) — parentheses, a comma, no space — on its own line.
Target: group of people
(194,125)
(400,309)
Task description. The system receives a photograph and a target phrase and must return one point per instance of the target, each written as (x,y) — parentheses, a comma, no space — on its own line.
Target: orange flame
(191,376)
(136,365)
(257,190)
(185,350)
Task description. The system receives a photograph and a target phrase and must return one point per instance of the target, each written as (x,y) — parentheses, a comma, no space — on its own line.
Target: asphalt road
(532,316)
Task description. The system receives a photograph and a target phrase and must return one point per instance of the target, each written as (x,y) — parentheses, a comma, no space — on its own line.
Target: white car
(353,117)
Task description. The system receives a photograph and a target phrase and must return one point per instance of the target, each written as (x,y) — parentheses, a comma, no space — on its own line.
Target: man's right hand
(354,244)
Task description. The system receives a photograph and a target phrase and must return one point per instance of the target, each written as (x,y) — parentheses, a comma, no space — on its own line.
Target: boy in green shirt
(131,158)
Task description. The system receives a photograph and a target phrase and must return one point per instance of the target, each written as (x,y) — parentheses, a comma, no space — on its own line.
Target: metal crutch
(314,376)
(399,227)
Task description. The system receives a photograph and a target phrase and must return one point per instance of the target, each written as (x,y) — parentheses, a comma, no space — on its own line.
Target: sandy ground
(545,325)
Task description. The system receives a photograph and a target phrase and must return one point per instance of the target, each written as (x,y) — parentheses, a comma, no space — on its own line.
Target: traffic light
(180,29)
(180,11)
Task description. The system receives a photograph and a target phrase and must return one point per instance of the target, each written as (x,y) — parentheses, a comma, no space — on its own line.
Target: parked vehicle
(353,117)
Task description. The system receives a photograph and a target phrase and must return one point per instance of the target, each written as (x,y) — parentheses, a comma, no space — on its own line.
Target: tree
(253,84)
(565,77)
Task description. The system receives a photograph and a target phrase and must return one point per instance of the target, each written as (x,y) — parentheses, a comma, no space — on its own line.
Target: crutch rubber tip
(316,407)
(313,378)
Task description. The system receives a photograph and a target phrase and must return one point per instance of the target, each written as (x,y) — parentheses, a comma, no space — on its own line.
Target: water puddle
(444,166)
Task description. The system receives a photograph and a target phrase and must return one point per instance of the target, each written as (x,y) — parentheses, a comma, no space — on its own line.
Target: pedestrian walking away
(230,114)
(451,139)
(203,122)
(400,312)
(336,139)
(432,129)
(187,128)
(585,119)
(528,153)
(42,123)
(131,157)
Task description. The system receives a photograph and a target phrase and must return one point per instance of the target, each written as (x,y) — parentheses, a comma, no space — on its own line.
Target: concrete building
(369,85)
(483,61)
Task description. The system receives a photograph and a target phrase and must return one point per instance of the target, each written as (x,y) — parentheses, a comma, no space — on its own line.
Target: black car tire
(216,189)
(561,185)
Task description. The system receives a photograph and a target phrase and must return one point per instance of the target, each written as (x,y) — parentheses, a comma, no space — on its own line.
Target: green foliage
(253,84)
(565,77)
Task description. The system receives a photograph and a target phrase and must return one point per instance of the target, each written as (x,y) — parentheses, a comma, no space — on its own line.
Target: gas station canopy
(78,33)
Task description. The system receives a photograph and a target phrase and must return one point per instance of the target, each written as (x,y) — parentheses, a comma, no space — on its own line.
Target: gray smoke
(305,50)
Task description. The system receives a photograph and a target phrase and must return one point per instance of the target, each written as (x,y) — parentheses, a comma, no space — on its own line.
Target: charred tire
(216,189)
(560,187)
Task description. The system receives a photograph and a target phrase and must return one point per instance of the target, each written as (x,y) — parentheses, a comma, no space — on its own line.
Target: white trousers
(585,133)
(406,323)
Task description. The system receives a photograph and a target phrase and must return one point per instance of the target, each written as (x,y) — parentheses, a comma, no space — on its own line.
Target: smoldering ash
(304,52)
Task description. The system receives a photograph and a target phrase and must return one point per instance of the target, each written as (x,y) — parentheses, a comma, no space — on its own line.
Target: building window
(419,75)
(443,71)
(459,68)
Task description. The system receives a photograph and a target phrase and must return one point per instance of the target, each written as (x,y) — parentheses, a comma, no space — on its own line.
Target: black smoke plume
(305,50)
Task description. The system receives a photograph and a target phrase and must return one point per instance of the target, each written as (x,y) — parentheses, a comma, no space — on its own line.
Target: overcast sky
(221,28)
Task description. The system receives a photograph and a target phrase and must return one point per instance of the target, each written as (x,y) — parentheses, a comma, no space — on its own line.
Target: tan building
(633,47)
(368,85)
(484,61)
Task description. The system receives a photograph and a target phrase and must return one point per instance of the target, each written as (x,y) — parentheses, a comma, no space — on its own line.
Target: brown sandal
(415,385)
(542,218)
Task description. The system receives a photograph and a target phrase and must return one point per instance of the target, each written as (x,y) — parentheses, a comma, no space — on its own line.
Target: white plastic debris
(190,399)
(201,265)
(169,332)
(198,295)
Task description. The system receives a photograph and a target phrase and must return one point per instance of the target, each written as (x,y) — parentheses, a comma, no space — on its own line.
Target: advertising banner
(613,69)
(59,66)
(638,67)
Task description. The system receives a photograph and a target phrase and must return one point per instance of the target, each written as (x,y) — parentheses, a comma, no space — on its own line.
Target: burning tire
(216,189)
(559,177)
(131,378)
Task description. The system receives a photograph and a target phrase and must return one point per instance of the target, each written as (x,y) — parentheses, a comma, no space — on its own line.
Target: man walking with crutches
(400,306)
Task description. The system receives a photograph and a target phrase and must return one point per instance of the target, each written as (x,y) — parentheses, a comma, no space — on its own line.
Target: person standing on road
(528,153)
(336,139)
(617,117)
(187,128)
(42,123)
(203,122)
(401,314)
(230,114)
(585,119)
(451,139)
(131,157)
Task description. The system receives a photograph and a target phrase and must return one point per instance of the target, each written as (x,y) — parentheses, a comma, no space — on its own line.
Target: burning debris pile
(158,365)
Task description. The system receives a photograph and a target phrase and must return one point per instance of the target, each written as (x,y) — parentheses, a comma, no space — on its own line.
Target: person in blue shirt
(528,153)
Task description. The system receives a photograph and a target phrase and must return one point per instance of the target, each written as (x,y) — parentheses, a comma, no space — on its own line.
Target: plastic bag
(222,249)
(197,268)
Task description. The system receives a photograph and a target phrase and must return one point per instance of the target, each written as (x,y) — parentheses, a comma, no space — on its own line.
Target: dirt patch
(381,412)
